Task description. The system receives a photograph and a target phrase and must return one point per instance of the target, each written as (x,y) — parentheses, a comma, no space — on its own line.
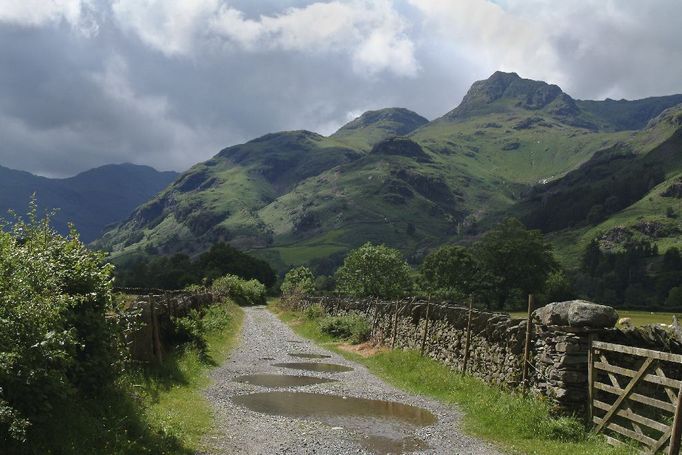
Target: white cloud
(40,12)
(167,25)
(372,34)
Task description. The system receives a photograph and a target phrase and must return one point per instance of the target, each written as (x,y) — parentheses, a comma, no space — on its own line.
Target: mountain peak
(403,120)
(373,127)
(490,95)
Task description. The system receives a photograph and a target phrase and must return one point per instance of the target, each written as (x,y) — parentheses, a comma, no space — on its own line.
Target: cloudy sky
(170,82)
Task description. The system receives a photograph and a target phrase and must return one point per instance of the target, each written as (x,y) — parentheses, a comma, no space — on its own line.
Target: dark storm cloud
(91,82)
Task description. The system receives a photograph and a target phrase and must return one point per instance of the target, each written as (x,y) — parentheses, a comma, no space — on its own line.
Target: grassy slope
(515,423)
(652,207)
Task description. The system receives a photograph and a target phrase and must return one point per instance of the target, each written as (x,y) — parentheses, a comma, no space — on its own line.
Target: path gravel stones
(265,341)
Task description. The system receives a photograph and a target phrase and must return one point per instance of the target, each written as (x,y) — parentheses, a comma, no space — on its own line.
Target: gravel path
(265,340)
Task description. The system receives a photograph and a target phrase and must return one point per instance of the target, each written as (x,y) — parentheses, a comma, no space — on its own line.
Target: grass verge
(172,392)
(513,422)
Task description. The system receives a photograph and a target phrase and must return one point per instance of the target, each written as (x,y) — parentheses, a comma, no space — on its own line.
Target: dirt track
(265,341)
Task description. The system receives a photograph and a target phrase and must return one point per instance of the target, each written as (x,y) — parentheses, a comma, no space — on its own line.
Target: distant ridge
(91,200)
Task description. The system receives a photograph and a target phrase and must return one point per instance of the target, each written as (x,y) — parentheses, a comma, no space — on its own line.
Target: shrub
(314,312)
(58,326)
(299,280)
(243,292)
(351,327)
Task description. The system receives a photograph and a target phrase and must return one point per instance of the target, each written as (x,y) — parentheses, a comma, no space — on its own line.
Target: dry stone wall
(560,340)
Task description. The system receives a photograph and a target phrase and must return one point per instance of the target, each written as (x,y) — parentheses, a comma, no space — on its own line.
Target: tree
(298,281)
(516,258)
(374,271)
(558,288)
(451,272)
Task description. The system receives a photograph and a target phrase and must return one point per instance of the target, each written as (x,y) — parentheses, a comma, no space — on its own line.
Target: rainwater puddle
(267,358)
(281,380)
(310,356)
(318,367)
(385,426)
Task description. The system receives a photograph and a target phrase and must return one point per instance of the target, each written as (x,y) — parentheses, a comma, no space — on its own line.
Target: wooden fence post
(590,379)
(426,326)
(468,335)
(395,326)
(526,346)
(156,339)
(676,430)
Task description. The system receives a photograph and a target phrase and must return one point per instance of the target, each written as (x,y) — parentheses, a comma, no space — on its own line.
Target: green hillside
(388,176)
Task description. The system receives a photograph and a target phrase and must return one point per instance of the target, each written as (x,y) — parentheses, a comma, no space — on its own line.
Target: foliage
(374,270)
(314,312)
(352,327)
(451,272)
(515,258)
(243,292)
(631,276)
(299,280)
(58,328)
(558,288)
(179,270)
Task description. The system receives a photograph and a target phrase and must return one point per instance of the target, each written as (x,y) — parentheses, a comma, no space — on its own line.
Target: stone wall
(560,338)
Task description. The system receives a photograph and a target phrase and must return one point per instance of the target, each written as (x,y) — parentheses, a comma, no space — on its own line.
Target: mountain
(373,127)
(91,200)
(388,176)
(630,191)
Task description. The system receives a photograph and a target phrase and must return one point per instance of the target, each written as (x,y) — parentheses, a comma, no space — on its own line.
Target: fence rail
(632,395)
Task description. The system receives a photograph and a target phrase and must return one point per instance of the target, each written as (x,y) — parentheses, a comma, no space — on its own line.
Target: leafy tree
(516,258)
(451,272)
(374,271)
(674,297)
(299,280)
(558,288)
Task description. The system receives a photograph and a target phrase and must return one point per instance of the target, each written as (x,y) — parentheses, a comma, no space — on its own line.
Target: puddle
(281,380)
(310,356)
(318,367)
(267,358)
(385,426)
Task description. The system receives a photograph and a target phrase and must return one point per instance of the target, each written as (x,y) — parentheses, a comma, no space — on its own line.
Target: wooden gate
(635,394)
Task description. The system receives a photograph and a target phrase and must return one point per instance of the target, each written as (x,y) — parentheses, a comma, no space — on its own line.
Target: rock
(576,313)
(552,314)
(586,314)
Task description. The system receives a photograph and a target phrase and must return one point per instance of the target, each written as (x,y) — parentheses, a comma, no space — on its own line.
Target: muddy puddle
(312,366)
(281,380)
(309,356)
(384,426)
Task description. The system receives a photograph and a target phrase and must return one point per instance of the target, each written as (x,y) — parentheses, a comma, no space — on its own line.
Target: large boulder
(576,313)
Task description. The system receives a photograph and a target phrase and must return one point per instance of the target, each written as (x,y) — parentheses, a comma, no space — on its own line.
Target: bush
(314,312)
(243,292)
(58,327)
(352,327)
(299,280)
